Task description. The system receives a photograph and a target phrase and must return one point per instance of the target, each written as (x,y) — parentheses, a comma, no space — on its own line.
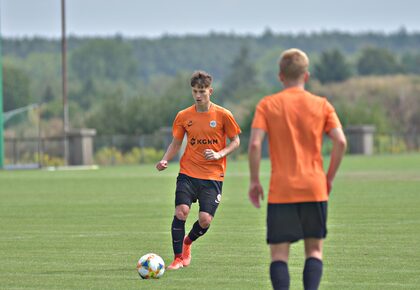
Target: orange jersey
(295,121)
(205,130)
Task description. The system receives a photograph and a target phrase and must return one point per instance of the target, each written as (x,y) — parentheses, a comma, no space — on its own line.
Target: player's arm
(339,148)
(232,146)
(171,152)
(254,156)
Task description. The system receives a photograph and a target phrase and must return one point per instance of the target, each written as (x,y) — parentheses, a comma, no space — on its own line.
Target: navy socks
(279,274)
(196,231)
(312,273)
(178,233)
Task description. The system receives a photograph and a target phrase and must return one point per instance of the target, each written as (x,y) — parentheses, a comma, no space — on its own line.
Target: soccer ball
(151,266)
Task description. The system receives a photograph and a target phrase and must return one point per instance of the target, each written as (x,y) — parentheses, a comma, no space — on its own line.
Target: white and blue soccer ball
(151,266)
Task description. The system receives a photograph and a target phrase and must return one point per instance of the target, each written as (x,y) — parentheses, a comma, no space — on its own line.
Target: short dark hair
(201,79)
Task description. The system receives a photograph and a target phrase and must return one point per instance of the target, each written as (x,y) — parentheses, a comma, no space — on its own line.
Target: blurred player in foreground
(295,121)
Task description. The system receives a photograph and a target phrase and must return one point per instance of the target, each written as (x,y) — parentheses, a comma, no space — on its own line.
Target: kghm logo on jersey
(194,141)
(213,124)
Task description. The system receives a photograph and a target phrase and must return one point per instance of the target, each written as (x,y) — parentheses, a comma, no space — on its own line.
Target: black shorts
(294,221)
(207,192)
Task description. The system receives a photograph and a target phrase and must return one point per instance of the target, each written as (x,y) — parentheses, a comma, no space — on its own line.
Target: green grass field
(87,229)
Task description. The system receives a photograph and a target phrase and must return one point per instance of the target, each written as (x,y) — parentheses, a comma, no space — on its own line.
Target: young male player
(295,121)
(202,166)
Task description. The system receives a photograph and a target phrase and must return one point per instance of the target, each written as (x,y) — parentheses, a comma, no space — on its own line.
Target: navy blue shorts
(207,192)
(291,222)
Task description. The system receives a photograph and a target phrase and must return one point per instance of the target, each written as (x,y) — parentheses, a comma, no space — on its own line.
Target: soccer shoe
(186,254)
(175,265)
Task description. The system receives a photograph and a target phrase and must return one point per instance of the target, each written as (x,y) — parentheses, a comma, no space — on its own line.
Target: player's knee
(314,254)
(205,221)
(182,213)
(313,249)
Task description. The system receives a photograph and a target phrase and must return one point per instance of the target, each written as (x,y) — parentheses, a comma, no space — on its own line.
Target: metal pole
(39,137)
(64,82)
(1,107)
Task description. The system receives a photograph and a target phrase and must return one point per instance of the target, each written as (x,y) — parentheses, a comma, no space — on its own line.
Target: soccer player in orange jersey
(295,121)
(202,166)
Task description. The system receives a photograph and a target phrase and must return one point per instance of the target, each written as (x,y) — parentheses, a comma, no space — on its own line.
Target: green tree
(142,115)
(332,67)
(268,68)
(87,94)
(411,63)
(149,112)
(242,82)
(44,70)
(48,95)
(362,112)
(49,104)
(15,88)
(378,61)
(176,96)
(108,117)
(104,58)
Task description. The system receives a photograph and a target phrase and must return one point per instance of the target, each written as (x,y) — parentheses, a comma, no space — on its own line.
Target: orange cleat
(175,265)
(186,254)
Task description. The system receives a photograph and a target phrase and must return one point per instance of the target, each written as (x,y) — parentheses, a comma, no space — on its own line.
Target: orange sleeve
(231,127)
(331,118)
(260,121)
(178,130)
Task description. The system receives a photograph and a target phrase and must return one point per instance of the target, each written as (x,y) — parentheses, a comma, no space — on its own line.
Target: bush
(388,143)
(151,155)
(133,156)
(137,155)
(52,161)
(108,156)
(30,158)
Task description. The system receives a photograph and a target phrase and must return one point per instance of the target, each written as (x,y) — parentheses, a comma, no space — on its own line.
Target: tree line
(136,85)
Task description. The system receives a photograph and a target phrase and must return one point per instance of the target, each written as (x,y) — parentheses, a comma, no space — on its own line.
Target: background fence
(123,149)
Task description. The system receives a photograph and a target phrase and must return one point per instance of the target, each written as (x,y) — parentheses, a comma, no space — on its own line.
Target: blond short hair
(293,63)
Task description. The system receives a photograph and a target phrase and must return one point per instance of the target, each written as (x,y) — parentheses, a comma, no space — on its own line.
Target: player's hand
(162,165)
(212,155)
(329,186)
(256,193)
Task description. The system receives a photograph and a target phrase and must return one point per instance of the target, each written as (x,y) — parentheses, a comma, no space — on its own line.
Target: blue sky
(157,17)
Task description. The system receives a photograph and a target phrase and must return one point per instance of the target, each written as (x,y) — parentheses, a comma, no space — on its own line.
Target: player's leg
(178,233)
(314,219)
(312,272)
(313,248)
(200,227)
(283,228)
(178,228)
(279,271)
(184,196)
(209,198)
